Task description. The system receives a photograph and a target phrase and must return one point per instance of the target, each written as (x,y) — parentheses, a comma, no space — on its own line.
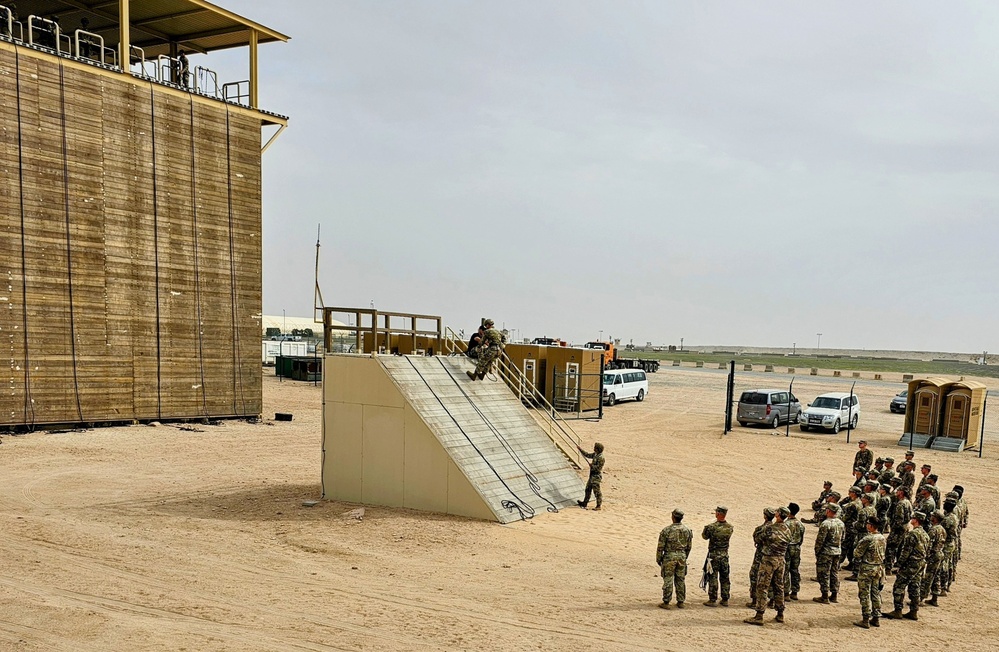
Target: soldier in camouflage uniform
(768,517)
(870,557)
(819,504)
(883,507)
(596,475)
(770,575)
(901,514)
(962,515)
(851,511)
(864,515)
(931,578)
(832,499)
(925,471)
(718,535)
(931,484)
(889,472)
(828,548)
(911,566)
(490,349)
(671,556)
(906,474)
(952,526)
(926,503)
(792,576)
(864,457)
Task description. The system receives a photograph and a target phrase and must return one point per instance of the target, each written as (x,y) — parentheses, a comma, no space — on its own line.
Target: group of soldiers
(876,529)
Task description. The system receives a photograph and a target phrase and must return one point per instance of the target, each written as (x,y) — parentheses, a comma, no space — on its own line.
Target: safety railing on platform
(557,428)
(8,24)
(43,33)
(237,92)
(206,82)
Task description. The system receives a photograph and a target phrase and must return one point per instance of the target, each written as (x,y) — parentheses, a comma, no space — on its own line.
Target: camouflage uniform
(900,516)
(758,555)
(671,555)
(926,506)
(770,575)
(931,578)
(596,477)
(718,535)
(908,478)
(951,525)
(934,493)
(792,574)
(818,504)
(911,566)
(828,548)
(851,511)
(863,459)
(886,476)
(489,350)
(883,507)
(870,558)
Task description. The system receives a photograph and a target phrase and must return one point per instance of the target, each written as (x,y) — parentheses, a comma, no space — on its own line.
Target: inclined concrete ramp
(489,434)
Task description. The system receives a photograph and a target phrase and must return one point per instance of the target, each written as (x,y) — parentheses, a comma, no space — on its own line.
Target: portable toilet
(573,376)
(532,361)
(922,410)
(963,409)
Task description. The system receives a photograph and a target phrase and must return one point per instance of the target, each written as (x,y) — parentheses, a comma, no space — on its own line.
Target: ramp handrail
(558,429)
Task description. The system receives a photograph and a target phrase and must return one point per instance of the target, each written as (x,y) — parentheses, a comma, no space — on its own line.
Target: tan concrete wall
(379,451)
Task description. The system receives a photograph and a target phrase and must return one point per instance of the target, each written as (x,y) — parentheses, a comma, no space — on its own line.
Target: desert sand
(196,538)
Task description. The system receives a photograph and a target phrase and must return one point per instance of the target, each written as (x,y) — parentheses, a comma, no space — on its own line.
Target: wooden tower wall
(130,253)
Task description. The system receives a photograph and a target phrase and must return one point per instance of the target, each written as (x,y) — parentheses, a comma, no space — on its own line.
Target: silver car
(772,407)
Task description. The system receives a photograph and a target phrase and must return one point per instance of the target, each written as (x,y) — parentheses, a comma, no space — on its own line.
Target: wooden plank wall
(138,293)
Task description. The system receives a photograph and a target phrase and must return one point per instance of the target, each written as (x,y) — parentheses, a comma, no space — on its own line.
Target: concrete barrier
(699,365)
(906,378)
(856,374)
(790,370)
(837,374)
(813,372)
(722,365)
(747,367)
(676,363)
(877,376)
(769,367)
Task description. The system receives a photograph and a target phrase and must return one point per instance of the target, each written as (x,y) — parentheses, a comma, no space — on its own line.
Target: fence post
(787,431)
(729,395)
(849,414)
(981,439)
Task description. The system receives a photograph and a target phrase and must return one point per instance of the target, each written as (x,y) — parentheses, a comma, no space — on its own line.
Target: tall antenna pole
(318,298)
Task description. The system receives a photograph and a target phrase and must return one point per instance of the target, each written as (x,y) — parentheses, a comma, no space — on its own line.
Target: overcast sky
(729,173)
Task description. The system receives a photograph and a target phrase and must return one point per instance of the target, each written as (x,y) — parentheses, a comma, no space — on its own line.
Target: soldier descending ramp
(413,431)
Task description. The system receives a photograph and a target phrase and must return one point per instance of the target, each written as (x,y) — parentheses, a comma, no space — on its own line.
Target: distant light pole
(284,325)
(794,348)
(601,337)
(681,344)
(818,344)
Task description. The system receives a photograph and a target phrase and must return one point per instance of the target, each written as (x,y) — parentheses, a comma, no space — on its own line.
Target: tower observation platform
(130,213)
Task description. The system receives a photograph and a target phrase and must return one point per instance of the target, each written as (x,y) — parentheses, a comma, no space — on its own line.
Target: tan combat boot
(755,620)
(864,624)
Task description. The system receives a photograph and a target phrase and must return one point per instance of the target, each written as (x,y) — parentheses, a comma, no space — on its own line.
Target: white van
(624,383)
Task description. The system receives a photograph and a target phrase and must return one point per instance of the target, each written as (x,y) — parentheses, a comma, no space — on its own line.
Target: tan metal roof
(194,25)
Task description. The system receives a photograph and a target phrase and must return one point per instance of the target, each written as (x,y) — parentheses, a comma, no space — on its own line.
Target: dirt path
(157,538)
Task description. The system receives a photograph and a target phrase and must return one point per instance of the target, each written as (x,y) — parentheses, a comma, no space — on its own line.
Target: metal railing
(7,23)
(557,428)
(205,78)
(43,33)
(49,36)
(237,92)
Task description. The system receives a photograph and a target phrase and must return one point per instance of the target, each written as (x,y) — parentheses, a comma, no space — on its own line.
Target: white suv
(831,412)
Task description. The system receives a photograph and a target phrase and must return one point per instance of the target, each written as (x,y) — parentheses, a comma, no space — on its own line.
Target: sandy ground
(158,538)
